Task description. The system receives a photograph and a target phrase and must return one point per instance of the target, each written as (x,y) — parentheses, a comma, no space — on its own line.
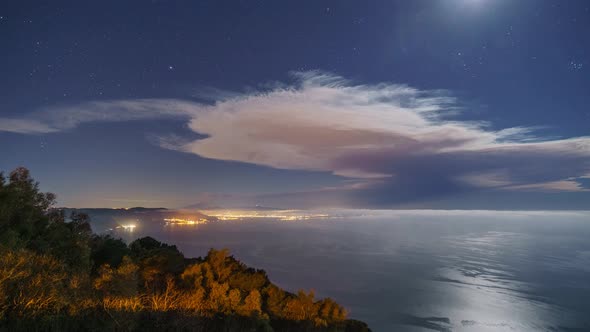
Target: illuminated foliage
(252,304)
(120,281)
(56,275)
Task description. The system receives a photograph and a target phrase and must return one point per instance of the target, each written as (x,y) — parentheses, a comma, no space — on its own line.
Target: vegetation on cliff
(55,274)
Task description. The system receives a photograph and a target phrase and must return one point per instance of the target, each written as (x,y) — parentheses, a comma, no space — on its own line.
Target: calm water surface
(421,270)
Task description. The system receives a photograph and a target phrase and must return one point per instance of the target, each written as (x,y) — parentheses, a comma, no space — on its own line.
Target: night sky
(455,104)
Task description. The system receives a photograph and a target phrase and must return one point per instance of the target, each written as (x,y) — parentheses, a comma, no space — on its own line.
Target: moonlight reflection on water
(421,270)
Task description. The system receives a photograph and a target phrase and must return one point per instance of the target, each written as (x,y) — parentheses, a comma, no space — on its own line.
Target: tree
(234,300)
(107,250)
(23,209)
(247,279)
(80,224)
(65,242)
(275,301)
(157,261)
(217,299)
(120,281)
(218,260)
(252,304)
(27,221)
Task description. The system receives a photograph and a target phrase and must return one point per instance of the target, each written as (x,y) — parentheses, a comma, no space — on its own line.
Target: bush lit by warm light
(57,275)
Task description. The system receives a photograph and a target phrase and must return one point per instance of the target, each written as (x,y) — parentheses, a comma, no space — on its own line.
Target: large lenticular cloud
(392,134)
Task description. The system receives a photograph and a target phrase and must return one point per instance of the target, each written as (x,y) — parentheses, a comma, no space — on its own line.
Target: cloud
(399,140)
(564,185)
(24,126)
(60,118)
(390,132)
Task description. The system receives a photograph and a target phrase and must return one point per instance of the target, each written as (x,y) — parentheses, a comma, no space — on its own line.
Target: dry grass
(132,304)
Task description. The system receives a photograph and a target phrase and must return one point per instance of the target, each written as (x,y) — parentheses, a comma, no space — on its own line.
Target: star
(576,65)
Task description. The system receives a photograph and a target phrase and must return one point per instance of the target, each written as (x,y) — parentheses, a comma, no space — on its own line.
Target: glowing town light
(284,215)
(180,221)
(129,227)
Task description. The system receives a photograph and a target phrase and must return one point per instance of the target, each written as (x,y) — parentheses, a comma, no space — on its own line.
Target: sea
(414,270)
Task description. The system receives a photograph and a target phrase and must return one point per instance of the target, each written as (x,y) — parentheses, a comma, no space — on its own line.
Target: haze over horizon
(390,105)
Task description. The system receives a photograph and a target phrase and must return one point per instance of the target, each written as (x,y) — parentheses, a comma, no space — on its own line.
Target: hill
(56,275)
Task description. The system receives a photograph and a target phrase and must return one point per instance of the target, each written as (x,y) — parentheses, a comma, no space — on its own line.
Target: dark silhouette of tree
(107,250)
(157,261)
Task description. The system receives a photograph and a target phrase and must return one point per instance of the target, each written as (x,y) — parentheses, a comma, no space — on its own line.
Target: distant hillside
(206,206)
(113,211)
(106,218)
(132,209)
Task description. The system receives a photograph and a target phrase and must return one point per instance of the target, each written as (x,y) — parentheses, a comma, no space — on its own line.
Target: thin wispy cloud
(397,138)
(25,126)
(60,118)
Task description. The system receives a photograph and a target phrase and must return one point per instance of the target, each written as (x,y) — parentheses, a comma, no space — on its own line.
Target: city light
(180,221)
(127,227)
(280,215)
